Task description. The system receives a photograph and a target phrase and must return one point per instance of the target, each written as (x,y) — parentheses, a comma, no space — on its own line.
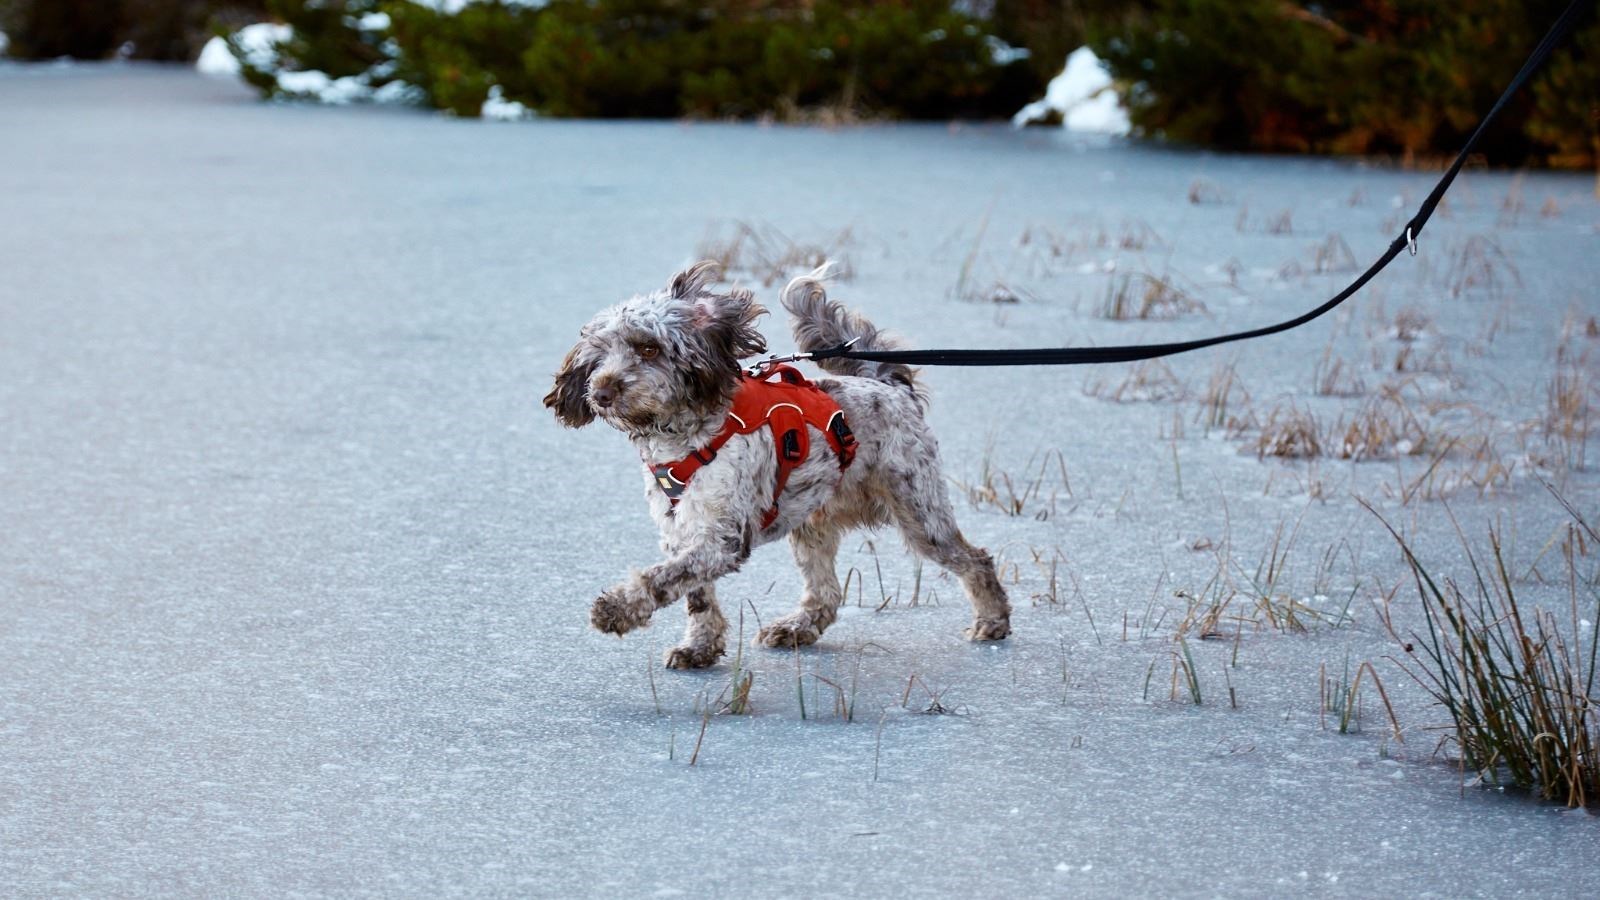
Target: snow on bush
(256,54)
(1082,97)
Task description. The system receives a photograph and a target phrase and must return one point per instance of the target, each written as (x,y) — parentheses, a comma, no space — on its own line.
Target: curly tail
(819,324)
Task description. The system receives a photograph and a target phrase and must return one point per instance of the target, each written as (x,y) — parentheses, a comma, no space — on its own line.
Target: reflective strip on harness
(785,402)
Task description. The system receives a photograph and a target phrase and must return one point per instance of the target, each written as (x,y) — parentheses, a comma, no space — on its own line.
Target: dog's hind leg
(921,507)
(815,549)
(706,636)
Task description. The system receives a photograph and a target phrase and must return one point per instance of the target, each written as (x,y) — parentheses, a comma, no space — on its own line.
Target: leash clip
(756,370)
(1411,241)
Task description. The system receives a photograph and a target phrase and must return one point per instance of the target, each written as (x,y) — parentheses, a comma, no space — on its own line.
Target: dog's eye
(648,351)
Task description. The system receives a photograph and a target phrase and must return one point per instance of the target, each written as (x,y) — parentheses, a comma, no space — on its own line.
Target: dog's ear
(731,322)
(725,325)
(569,397)
(691,282)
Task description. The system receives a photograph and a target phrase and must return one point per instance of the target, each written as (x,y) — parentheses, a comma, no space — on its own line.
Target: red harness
(787,406)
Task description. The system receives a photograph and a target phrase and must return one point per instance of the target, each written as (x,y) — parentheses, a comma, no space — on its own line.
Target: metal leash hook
(755,370)
(1411,242)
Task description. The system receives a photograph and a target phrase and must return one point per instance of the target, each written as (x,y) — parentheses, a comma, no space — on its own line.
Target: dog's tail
(820,324)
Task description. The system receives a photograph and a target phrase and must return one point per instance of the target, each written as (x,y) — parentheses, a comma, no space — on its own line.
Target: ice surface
(1083,96)
(294,568)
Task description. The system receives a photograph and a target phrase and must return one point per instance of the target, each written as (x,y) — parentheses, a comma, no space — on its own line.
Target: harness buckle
(668,483)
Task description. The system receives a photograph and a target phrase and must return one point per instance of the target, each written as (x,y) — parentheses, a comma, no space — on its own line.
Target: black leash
(1067,356)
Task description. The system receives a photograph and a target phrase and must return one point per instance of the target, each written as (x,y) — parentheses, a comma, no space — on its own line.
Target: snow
(216,59)
(1083,96)
(497,108)
(260,43)
(374,21)
(295,568)
(318,86)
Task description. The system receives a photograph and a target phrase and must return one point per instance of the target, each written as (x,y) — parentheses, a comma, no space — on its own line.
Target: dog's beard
(632,416)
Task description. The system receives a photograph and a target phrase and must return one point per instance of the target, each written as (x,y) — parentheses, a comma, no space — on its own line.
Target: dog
(664,368)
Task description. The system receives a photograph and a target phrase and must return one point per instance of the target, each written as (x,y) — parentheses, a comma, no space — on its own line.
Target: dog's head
(642,362)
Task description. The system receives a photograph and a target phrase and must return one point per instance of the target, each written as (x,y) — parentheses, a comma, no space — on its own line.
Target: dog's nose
(603,396)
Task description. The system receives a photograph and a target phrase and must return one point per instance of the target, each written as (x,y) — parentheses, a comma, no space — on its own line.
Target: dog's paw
(794,630)
(988,630)
(615,612)
(693,656)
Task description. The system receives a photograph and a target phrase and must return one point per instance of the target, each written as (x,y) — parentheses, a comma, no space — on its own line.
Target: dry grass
(1220,404)
(765,254)
(1334,378)
(1410,325)
(1568,416)
(1513,204)
(1480,265)
(1204,191)
(1289,433)
(1380,428)
(1147,381)
(1234,599)
(1036,492)
(1333,256)
(1140,295)
(1130,234)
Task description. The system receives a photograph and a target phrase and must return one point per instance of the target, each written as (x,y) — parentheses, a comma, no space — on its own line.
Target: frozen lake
(294,569)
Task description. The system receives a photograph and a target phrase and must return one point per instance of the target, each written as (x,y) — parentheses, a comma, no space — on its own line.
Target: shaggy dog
(663,368)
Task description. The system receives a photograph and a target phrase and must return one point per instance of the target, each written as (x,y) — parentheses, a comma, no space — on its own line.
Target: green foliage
(1406,77)
(659,58)
(1387,76)
(455,59)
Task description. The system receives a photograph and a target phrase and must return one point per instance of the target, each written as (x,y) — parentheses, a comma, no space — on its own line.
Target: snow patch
(259,44)
(1082,96)
(217,60)
(318,86)
(497,108)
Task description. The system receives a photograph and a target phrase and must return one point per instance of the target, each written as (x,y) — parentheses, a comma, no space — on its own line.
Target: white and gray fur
(666,365)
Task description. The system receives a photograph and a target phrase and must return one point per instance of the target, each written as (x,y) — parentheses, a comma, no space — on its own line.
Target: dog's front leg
(699,561)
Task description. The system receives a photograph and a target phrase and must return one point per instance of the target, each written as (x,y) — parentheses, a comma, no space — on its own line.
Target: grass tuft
(1140,295)
(1519,690)
(1289,433)
(766,254)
